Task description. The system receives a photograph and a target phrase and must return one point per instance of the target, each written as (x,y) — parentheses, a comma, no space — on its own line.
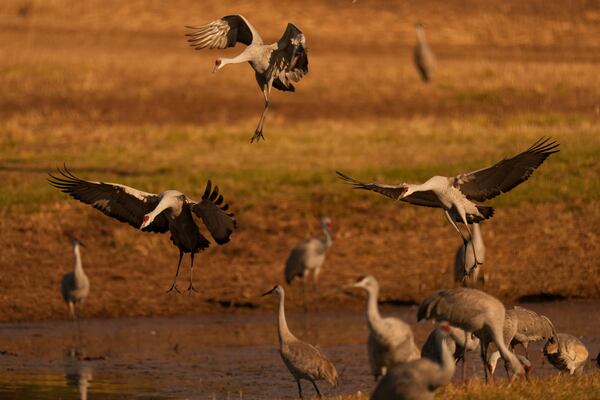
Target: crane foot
(191,289)
(173,287)
(257,136)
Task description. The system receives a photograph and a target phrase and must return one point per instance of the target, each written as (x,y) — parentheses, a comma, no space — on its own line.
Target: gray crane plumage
(75,285)
(309,256)
(458,195)
(169,211)
(391,340)
(418,379)
(466,269)
(522,326)
(475,312)
(423,56)
(566,352)
(458,341)
(277,65)
(303,360)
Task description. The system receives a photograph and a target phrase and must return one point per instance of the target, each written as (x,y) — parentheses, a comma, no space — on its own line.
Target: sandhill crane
(169,211)
(566,353)
(391,340)
(75,285)
(308,257)
(475,312)
(303,360)
(466,270)
(423,56)
(276,65)
(456,195)
(418,379)
(456,340)
(522,326)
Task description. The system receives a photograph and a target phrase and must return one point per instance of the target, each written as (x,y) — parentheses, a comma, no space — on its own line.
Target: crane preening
(169,211)
(276,65)
(458,195)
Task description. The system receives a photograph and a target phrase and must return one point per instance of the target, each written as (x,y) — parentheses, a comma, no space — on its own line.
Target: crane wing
(121,202)
(213,213)
(425,198)
(223,33)
(501,177)
(289,61)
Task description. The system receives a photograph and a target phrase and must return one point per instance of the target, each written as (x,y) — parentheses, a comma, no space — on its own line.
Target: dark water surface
(215,357)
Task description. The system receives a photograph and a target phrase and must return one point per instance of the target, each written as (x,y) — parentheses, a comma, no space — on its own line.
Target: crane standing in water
(303,360)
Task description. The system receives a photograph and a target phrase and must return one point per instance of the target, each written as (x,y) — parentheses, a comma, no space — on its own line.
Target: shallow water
(221,357)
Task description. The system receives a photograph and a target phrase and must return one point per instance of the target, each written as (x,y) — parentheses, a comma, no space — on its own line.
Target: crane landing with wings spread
(458,195)
(276,65)
(169,211)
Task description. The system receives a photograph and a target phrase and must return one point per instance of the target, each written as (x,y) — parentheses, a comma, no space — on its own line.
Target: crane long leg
(464,357)
(299,388)
(317,389)
(173,287)
(258,133)
(483,359)
(191,286)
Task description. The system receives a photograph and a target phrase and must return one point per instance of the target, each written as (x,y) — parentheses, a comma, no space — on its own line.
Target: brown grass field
(112,89)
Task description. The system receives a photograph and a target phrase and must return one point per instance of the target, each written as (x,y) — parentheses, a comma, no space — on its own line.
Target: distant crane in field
(75,285)
(456,340)
(457,195)
(521,326)
(276,65)
(303,360)
(475,312)
(391,340)
(418,379)
(169,211)
(466,270)
(566,353)
(308,257)
(423,56)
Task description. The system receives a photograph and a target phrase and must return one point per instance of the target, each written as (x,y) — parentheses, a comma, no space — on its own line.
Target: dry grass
(111,89)
(557,387)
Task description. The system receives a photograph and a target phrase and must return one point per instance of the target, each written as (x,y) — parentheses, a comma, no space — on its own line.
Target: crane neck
(328,240)
(420,35)
(282,327)
(77,265)
(447,362)
(373,316)
(240,58)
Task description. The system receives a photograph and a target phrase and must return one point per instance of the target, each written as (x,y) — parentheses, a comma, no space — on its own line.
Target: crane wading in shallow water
(169,211)
(75,285)
(303,360)
(275,65)
(474,312)
(308,257)
(418,379)
(457,195)
(391,341)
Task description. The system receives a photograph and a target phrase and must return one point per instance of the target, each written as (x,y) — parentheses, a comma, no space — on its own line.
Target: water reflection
(78,374)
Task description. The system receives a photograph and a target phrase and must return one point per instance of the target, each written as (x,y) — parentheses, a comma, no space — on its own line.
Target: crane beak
(81,244)
(269,292)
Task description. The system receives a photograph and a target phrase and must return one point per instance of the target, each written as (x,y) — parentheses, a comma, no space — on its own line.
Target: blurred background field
(111,89)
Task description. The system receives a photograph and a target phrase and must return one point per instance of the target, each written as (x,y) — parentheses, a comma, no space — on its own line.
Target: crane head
(366,282)
(146,221)
(75,241)
(278,290)
(326,221)
(218,65)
